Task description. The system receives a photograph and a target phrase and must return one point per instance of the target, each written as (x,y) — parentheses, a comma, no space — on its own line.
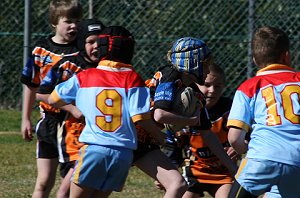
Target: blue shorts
(277,179)
(102,168)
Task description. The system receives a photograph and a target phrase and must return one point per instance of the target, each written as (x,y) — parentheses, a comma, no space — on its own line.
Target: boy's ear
(254,60)
(286,58)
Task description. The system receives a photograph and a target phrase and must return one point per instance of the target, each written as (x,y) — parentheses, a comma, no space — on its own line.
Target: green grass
(18,165)
(11,120)
(18,172)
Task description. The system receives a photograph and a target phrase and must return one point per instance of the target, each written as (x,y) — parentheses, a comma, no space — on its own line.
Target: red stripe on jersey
(94,77)
(250,87)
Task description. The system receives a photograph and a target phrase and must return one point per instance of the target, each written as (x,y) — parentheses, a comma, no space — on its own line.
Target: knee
(178,185)
(44,185)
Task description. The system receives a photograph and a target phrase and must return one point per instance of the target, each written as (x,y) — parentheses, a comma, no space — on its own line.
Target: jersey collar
(274,68)
(113,64)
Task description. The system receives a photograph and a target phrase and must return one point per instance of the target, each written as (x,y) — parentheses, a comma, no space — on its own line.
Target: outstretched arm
(76,113)
(166,117)
(216,147)
(150,126)
(42,97)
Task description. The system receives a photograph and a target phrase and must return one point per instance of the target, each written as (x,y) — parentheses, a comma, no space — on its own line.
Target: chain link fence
(226,26)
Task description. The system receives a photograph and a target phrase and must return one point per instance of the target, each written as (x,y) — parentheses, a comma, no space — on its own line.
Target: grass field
(18,171)
(18,165)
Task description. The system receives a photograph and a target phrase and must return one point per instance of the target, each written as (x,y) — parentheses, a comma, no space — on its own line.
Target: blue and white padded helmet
(188,55)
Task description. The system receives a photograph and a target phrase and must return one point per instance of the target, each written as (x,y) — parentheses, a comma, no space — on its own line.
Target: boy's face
(66,30)
(212,88)
(91,48)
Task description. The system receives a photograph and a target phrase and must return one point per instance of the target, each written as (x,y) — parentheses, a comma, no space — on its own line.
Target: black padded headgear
(116,43)
(86,28)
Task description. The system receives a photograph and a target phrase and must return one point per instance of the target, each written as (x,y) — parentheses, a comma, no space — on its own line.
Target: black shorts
(143,149)
(174,153)
(65,167)
(46,133)
(199,188)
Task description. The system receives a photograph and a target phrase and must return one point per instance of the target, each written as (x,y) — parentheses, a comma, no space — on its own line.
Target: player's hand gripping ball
(186,103)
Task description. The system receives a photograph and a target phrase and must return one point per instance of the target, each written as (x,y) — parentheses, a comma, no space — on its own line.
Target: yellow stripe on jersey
(144,116)
(238,124)
(114,64)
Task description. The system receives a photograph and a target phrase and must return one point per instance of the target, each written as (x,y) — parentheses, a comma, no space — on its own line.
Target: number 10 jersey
(268,106)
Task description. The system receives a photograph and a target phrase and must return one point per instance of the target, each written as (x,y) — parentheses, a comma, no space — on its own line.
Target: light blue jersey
(111,101)
(269,104)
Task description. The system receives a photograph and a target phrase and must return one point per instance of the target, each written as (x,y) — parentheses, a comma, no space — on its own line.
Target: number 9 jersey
(117,98)
(274,95)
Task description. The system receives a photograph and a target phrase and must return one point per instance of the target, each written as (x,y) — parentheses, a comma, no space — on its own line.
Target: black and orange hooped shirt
(44,56)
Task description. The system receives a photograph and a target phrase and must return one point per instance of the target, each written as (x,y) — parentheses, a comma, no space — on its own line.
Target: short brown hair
(268,44)
(217,69)
(64,8)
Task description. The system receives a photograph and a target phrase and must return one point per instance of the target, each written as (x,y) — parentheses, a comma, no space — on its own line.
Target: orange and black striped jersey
(44,56)
(218,115)
(202,164)
(68,143)
(62,71)
(67,136)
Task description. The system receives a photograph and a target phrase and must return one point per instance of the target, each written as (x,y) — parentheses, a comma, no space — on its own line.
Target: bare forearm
(54,102)
(241,147)
(28,101)
(166,117)
(68,107)
(236,138)
(216,147)
(153,130)
(42,97)
(73,110)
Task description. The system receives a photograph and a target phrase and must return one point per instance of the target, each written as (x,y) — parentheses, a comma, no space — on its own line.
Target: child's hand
(158,185)
(27,130)
(76,113)
(232,154)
